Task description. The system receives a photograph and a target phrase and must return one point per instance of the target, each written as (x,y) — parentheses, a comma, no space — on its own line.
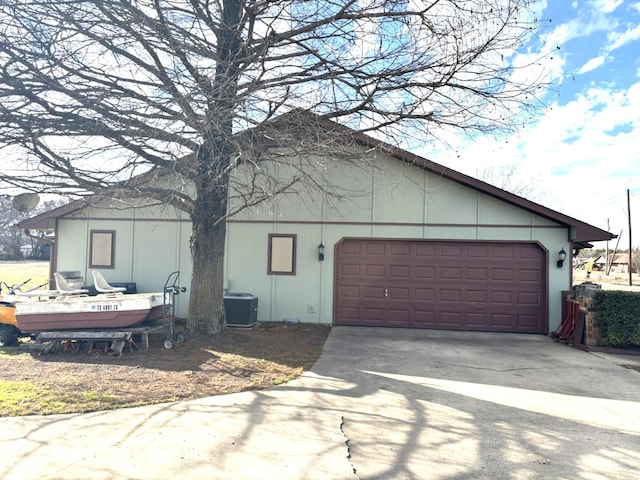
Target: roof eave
(47,220)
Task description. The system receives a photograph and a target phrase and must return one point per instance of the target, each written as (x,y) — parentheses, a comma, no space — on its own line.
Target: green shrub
(617,315)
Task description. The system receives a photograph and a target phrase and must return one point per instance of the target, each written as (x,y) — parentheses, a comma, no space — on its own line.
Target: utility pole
(606,255)
(630,244)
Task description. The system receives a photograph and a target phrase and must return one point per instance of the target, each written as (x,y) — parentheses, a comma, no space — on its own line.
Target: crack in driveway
(347,440)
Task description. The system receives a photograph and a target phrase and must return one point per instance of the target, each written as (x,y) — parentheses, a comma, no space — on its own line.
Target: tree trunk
(206,308)
(206,304)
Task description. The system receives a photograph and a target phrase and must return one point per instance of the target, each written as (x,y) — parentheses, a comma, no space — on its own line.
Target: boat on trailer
(38,311)
(82,312)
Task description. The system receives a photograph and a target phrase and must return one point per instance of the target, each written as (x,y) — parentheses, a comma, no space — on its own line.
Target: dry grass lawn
(235,361)
(14,273)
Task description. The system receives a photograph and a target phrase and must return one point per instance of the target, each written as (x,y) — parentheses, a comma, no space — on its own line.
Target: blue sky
(583,151)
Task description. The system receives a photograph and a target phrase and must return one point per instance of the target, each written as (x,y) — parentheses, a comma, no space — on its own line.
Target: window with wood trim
(102,244)
(282,254)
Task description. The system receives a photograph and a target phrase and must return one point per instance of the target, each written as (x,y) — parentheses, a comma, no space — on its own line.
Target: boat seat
(102,286)
(64,288)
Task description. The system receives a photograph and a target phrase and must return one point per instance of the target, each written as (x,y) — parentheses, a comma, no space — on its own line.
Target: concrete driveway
(379,404)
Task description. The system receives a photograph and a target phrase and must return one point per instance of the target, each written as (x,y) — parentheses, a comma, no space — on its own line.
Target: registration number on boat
(105,307)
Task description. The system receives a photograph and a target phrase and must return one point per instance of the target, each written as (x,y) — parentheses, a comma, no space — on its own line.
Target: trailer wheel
(168,343)
(8,336)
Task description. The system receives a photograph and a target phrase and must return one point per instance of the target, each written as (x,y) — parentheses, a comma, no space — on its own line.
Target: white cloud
(584,155)
(607,6)
(592,64)
(578,28)
(581,26)
(620,39)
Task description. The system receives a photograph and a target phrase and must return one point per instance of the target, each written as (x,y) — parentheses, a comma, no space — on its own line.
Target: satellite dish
(26,202)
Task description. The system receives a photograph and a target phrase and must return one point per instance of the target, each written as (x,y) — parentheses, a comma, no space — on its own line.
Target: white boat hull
(158,302)
(67,313)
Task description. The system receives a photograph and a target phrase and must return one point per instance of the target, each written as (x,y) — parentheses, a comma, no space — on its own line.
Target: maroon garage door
(487,286)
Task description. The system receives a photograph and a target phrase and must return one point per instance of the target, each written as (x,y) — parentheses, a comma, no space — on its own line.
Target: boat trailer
(116,340)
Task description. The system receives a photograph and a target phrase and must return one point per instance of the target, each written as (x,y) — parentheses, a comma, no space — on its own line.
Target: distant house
(619,262)
(420,246)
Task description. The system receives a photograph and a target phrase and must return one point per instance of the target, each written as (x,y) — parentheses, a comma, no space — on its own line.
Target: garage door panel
(451,250)
(350,314)
(400,248)
(503,252)
(373,293)
(502,297)
(425,250)
(375,249)
(374,271)
(450,319)
(501,320)
(477,252)
(399,317)
(476,296)
(425,319)
(475,321)
(502,275)
(529,299)
(477,273)
(349,292)
(481,285)
(424,294)
(425,272)
(451,273)
(399,293)
(350,248)
(527,321)
(349,270)
(375,315)
(450,295)
(400,272)
(529,276)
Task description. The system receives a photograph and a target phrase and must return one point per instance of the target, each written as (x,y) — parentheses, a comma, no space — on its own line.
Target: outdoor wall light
(321,252)
(561,257)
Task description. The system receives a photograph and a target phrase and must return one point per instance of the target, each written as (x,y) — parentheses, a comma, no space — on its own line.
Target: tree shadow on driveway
(429,404)
(378,404)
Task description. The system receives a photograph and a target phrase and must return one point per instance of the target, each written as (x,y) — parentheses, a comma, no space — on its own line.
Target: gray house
(413,244)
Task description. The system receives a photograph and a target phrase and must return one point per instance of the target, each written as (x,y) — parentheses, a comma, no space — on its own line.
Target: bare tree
(95,92)
(11,238)
(14,243)
(507,177)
